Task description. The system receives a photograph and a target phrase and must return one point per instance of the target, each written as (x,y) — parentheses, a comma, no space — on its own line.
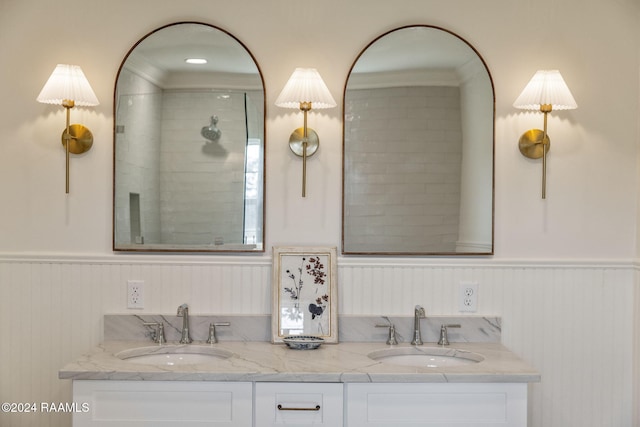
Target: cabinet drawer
(298,404)
(459,405)
(163,403)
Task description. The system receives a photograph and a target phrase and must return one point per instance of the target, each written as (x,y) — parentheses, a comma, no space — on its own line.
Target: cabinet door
(162,403)
(298,404)
(436,405)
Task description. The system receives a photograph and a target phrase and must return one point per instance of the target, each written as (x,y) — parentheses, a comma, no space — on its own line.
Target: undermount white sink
(425,357)
(172,355)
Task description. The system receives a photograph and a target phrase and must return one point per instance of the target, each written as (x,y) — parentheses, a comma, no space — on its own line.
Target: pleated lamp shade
(546,87)
(305,85)
(68,83)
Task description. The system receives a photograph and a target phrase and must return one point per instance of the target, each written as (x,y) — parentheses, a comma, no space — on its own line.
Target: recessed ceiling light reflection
(196,61)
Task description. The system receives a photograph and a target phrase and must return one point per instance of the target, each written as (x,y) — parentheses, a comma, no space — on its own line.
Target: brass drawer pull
(281,408)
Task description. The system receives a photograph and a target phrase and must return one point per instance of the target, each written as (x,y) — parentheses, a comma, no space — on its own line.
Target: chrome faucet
(183,311)
(418,314)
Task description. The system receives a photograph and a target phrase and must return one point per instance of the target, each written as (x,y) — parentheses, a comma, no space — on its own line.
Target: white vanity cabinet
(163,403)
(298,404)
(265,385)
(272,404)
(436,404)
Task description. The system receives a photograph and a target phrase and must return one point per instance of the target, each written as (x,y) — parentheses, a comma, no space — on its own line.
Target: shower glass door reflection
(190,190)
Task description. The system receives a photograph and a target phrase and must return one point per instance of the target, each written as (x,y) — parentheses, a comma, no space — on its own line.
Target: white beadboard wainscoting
(573,321)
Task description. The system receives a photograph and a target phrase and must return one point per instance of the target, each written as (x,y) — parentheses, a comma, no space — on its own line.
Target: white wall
(582,39)
(562,277)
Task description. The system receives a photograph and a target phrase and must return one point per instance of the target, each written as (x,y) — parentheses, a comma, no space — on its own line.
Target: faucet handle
(444,338)
(391,340)
(212,331)
(157,334)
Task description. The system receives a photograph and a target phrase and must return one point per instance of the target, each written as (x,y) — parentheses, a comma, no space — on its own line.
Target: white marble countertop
(263,361)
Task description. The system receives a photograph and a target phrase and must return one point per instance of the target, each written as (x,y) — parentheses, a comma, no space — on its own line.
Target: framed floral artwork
(305,299)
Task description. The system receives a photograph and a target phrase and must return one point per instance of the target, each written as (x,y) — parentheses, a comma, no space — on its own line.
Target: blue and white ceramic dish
(303,342)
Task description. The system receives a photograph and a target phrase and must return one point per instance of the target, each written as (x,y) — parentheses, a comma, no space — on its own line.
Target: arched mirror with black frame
(189,144)
(418,147)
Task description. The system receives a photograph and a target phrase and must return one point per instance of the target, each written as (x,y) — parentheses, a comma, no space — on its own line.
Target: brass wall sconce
(305,90)
(546,92)
(67,86)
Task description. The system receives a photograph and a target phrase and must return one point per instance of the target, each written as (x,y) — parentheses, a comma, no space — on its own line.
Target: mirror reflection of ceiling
(411,50)
(163,58)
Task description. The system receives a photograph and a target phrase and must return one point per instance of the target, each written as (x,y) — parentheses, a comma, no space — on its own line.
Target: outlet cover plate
(135,293)
(468,296)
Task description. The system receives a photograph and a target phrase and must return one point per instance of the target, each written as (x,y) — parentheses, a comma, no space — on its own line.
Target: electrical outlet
(135,293)
(468,296)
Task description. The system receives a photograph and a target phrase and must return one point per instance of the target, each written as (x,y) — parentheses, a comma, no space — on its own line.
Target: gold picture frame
(304,290)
